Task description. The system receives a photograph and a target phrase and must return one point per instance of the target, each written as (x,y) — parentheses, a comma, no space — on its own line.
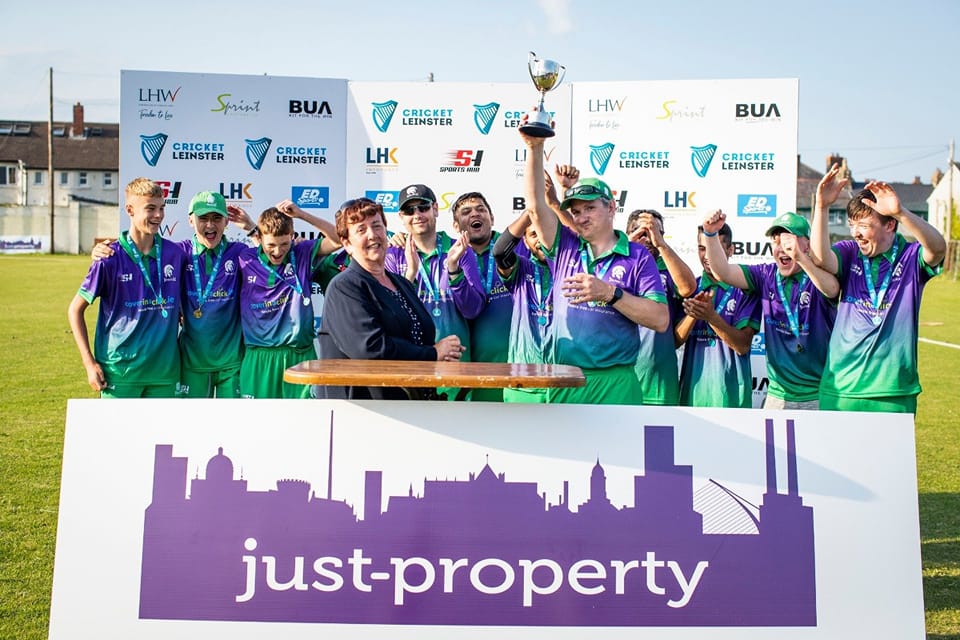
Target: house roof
(807,180)
(98,150)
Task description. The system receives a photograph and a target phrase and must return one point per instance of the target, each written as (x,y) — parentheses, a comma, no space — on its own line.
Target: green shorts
(224,383)
(121,390)
(262,368)
(610,385)
(527,396)
(888,404)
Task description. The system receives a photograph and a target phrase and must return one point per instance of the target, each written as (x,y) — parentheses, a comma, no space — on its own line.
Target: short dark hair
(635,215)
(857,209)
(470,195)
(725,233)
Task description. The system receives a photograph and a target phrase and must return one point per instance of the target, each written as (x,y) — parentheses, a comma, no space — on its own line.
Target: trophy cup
(546,75)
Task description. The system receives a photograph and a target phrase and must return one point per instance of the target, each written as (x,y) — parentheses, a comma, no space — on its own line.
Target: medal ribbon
(433,289)
(132,247)
(793,317)
(202,297)
(541,294)
(876,296)
(295,285)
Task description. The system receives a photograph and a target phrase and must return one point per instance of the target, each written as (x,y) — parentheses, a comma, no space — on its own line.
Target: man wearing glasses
(872,359)
(443,270)
(605,287)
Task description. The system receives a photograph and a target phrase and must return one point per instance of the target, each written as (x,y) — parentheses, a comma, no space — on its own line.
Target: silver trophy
(546,75)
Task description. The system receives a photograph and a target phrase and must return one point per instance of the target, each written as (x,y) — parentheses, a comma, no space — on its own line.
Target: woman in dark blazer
(371,314)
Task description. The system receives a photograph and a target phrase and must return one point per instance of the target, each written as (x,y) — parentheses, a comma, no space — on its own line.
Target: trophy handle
(530,60)
(563,73)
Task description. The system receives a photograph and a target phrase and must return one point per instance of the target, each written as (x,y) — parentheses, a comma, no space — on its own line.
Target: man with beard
(872,359)
(657,362)
(798,309)
(490,330)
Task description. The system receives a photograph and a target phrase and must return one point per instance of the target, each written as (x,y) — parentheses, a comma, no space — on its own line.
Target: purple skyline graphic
(481,551)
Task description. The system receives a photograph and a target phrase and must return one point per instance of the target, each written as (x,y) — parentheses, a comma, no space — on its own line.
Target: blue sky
(877,79)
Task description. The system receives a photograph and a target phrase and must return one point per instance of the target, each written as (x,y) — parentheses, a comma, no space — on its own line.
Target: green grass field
(42,370)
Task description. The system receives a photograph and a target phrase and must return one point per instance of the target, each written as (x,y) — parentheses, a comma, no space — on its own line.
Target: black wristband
(617,294)
(252,231)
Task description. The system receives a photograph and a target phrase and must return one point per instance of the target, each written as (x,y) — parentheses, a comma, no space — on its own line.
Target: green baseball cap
(791,223)
(586,189)
(207,202)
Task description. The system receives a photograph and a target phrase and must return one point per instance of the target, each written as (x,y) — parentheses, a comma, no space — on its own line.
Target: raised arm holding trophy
(546,76)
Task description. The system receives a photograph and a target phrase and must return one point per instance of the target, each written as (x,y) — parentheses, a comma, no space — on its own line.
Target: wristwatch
(617,294)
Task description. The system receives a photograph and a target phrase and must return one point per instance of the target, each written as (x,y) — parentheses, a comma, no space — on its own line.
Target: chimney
(936,177)
(77,131)
(834,158)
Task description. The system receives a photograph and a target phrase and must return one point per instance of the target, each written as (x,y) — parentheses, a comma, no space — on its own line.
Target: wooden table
(417,373)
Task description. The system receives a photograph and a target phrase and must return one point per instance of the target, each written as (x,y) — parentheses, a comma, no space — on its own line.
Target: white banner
(238,519)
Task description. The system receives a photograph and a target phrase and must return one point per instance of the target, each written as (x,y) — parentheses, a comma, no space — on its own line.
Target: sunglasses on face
(584,190)
(422,208)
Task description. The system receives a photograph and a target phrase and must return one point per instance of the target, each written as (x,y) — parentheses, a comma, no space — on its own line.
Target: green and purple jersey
(451,301)
(656,368)
(530,285)
(275,305)
(490,331)
(797,323)
(713,374)
(211,339)
(873,348)
(594,335)
(136,336)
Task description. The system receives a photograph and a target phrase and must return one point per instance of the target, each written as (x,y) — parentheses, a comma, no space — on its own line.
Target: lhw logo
(756,206)
(389,200)
(257,151)
(483,115)
(701,157)
(311,197)
(158,96)
(605,105)
(383,114)
(151,147)
(600,156)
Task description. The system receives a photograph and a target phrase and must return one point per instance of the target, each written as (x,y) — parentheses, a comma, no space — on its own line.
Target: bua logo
(310,108)
(759,111)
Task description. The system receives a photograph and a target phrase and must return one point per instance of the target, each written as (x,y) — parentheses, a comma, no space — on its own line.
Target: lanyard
(202,297)
(587,254)
(295,285)
(542,295)
(876,296)
(793,316)
(488,283)
(434,292)
(132,247)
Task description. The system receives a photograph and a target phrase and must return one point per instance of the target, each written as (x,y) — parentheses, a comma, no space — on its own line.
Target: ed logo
(757,206)
(311,197)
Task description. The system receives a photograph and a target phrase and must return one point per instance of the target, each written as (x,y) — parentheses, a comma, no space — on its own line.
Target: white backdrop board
(230,518)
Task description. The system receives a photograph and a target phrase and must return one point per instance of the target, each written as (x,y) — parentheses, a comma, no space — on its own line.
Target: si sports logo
(256,151)
(756,206)
(463,161)
(383,114)
(311,197)
(483,115)
(151,147)
(389,200)
(600,156)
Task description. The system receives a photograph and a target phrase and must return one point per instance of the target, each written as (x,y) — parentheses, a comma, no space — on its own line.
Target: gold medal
(197,313)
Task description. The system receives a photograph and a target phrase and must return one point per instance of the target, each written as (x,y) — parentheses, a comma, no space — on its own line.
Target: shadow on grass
(940,550)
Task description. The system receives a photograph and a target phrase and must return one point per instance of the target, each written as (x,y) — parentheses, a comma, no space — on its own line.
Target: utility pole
(951,246)
(50,161)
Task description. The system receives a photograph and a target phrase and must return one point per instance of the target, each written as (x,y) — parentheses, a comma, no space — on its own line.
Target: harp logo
(383,114)
(483,115)
(701,157)
(256,151)
(151,147)
(600,156)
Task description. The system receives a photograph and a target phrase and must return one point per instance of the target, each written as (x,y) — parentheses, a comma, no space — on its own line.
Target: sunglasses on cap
(584,190)
(422,208)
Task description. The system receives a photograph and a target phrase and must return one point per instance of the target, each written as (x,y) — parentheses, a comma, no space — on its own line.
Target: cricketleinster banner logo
(383,114)
(600,157)
(701,157)
(257,151)
(483,116)
(151,147)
